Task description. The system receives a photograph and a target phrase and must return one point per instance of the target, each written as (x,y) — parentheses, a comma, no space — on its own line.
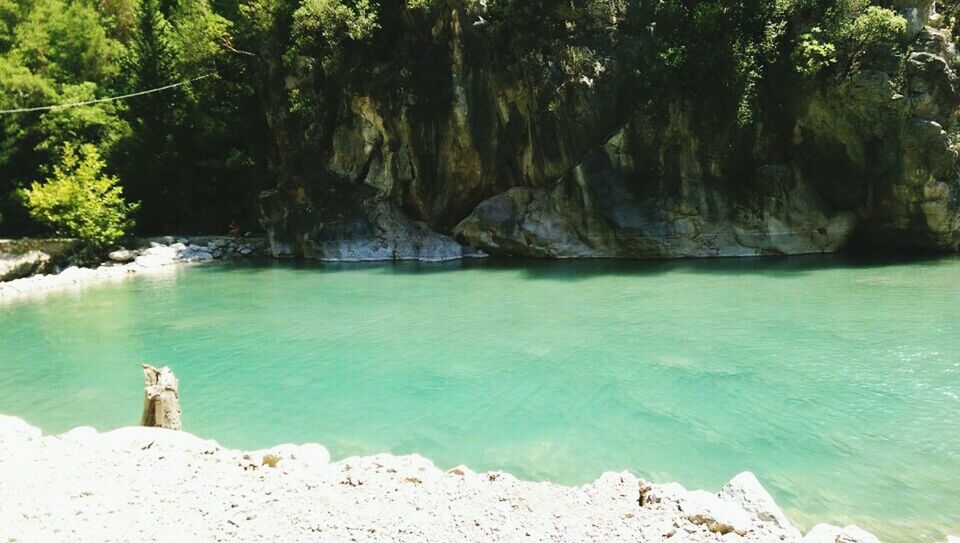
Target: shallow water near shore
(836,380)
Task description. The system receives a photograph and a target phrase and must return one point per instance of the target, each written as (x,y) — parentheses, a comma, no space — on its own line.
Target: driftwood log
(161,402)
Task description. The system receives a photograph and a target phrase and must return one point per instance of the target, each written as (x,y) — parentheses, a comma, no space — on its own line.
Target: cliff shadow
(573,270)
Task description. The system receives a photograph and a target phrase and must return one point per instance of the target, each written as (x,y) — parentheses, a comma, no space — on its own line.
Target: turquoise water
(836,381)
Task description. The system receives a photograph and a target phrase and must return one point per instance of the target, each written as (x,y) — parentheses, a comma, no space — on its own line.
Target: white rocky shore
(155,254)
(147,484)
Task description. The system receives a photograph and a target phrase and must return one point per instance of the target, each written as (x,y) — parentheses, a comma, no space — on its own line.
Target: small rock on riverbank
(147,484)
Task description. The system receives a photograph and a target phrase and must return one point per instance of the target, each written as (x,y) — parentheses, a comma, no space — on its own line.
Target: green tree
(51,52)
(66,41)
(99,123)
(877,33)
(10,13)
(120,17)
(81,201)
(150,158)
(152,61)
(181,154)
(326,28)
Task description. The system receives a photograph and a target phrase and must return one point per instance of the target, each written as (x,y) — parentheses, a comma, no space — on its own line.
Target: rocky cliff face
(472,156)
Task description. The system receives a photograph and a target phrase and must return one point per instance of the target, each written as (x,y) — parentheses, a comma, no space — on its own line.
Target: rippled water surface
(837,381)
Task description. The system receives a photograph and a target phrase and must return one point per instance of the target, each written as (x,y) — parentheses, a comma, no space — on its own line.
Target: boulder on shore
(23,265)
(122,256)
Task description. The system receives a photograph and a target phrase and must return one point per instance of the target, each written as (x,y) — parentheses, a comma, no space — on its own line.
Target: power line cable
(100,100)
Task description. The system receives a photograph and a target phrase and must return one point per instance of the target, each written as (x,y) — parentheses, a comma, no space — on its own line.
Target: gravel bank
(155,256)
(145,484)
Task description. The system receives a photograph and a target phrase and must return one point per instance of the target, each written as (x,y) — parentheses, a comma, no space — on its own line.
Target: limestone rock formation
(865,164)
(472,157)
(380,233)
(596,211)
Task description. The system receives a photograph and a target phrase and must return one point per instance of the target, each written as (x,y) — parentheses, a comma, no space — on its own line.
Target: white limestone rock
(122,256)
(746,490)
(700,508)
(288,455)
(79,434)
(157,256)
(828,533)
(86,486)
(313,455)
(15,431)
(135,438)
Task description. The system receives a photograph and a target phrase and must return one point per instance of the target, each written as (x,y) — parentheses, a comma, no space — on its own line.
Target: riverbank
(148,484)
(150,256)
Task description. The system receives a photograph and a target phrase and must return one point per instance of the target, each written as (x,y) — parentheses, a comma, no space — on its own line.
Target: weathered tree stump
(161,402)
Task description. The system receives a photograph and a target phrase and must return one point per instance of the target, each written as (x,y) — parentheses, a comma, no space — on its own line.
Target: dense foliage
(197,155)
(184,152)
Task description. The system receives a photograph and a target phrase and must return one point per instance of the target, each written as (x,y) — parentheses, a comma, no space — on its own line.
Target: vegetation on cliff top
(197,155)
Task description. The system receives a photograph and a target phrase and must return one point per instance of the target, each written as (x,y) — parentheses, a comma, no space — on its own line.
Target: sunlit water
(836,381)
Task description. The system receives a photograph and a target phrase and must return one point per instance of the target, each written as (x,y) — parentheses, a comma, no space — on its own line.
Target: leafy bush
(420,4)
(950,12)
(877,32)
(851,33)
(80,201)
(335,20)
(814,53)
